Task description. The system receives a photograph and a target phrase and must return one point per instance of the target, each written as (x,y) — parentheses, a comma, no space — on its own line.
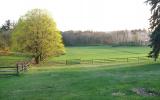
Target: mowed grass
(82,82)
(12,59)
(102,52)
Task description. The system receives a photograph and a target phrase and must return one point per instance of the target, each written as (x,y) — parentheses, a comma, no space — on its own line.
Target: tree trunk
(155,59)
(37,59)
(41,57)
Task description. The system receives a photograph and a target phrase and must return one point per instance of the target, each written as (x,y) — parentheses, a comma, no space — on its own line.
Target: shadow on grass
(76,69)
(83,82)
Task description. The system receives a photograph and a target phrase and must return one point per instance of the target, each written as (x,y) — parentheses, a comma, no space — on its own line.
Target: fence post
(17,69)
(22,66)
(127,59)
(79,61)
(138,59)
(66,62)
(92,61)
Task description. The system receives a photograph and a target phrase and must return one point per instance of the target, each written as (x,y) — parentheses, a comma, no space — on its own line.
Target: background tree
(36,33)
(5,35)
(155,28)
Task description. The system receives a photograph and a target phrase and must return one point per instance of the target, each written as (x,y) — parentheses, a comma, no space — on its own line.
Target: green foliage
(36,33)
(155,41)
(2,45)
(155,28)
(5,35)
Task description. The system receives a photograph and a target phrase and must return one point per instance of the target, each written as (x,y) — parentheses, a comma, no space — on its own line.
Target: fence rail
(107,60)
(14,70)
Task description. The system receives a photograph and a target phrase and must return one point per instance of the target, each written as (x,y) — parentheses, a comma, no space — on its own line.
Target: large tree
(36,33)
(155,28)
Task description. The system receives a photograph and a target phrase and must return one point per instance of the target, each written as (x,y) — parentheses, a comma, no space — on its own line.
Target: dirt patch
(118,94)
(145,92)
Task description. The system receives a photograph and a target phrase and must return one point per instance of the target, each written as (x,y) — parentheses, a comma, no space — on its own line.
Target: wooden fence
(14,70)
(23,66)
(107,60)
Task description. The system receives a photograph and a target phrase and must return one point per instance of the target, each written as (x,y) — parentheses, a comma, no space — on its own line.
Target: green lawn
(102,52)
(11,60)
(84,81)
(87,82)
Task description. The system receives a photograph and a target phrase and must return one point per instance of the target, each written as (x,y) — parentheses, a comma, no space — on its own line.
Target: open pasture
(102,52)
(125,81)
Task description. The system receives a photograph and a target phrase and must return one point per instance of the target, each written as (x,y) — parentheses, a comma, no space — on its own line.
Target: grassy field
(12,59)
(87,82)
(136,81)
(101,52)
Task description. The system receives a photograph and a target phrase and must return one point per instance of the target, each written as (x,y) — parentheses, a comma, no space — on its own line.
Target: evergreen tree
(155,28)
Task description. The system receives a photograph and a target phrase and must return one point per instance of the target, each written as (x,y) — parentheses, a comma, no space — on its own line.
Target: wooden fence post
(17,69)
(22,66)
(66,62)
(127,59)
(79,61)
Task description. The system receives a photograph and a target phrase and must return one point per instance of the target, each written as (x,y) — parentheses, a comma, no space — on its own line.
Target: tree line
(117,38)
(135,37)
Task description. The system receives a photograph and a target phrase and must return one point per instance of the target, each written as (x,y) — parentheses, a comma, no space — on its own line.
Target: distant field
(86,53)
(102,52)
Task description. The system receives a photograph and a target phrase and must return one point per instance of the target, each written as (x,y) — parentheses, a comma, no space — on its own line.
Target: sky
(96,15)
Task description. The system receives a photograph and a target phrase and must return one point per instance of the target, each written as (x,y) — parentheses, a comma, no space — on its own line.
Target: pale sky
(97,15)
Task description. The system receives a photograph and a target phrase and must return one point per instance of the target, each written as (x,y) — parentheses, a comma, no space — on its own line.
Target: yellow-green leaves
(36,33)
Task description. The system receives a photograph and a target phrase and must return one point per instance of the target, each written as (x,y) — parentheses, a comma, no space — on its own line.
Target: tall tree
(155,28)
(36,33)
(5,35)
(7,26)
